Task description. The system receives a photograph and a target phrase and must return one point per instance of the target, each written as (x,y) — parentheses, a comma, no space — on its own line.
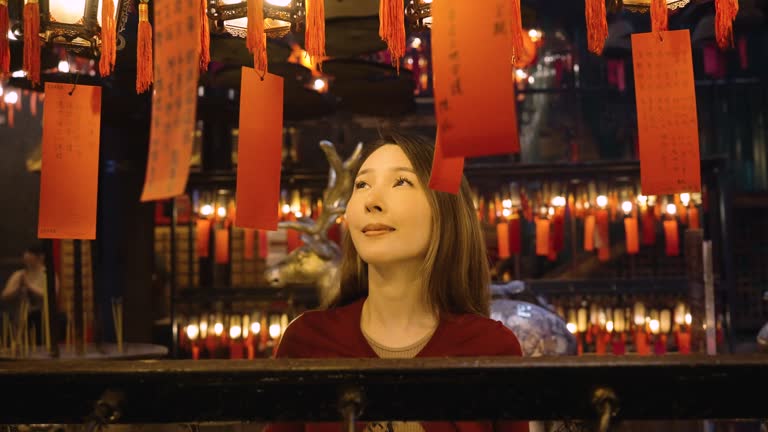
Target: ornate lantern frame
(293,14)
(643,6)
(418,14)
(82,37)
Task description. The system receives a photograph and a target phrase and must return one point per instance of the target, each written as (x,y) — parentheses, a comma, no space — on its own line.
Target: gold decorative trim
(643,6)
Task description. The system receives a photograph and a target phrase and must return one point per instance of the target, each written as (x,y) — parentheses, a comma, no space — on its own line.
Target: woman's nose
(373,202)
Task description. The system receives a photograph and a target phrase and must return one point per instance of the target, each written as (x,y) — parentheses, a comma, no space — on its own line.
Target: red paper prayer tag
(631,235)
(446,171)
(542,237)
(259,150)
(70,161)
(203,237)
(222,245)
(666,113)
(474,106)
(174,100)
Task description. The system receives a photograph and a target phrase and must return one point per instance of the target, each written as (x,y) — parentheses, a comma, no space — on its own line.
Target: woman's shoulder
(477,335)
(317,333)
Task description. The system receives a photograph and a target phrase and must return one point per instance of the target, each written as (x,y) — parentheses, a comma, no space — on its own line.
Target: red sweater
(336,333)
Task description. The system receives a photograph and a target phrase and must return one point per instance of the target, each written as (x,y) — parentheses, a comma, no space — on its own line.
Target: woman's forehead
(386,157)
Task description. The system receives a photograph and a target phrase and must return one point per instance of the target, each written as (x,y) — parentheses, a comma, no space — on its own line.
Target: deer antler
(336,194)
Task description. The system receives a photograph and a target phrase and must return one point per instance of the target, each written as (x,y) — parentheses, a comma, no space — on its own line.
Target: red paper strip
(558,229)
(693,218)
(542,237)
(202,239)
(502,239)
(515,244)
(259,150)
(666,113)
(630,232)
(649,226)
(474,106)
(174,100)
(589,233)
(671,238)
(263,245)
(603,242)
(222,246)
(70,160)
(249,236)
(446,171)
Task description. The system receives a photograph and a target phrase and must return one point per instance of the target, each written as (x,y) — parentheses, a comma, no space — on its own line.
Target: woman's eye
(360,185)
(402,180)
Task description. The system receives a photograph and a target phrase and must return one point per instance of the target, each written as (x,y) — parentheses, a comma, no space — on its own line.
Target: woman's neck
(396,313)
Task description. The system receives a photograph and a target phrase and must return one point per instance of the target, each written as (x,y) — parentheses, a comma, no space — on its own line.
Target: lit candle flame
(193,331)
(654,324)
(274,330)
(206,210)
(626,207)
(218,329)
(571,327)
(235,331)
(685,198)
(671,209)
(609,326)
(602,201)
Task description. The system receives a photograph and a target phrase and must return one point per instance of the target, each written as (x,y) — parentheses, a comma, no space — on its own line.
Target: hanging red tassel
(725,13)
(144,61)
(5,48)
(108,38)
(518,40)
(597,25)
(392,28)
(314,36)
(659,16)
(256,38)
(205,38)
(31,63)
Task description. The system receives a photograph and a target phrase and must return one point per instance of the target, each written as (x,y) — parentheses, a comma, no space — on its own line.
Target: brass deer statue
(317,260)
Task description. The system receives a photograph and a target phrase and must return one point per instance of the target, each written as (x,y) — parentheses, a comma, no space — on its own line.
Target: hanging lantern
(76,24)
(418,14)
(280,17)
(644,6)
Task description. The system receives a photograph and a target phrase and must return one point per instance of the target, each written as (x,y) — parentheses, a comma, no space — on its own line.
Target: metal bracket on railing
(106,411)
(607,405)
(350,406)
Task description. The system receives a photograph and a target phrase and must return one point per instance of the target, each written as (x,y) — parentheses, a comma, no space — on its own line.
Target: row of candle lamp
(235,336)
(613,330)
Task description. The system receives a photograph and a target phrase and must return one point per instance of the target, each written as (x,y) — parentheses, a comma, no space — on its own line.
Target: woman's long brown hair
(456,272)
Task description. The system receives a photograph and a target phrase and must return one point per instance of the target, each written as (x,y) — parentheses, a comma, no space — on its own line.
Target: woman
(27,285)
(414,277)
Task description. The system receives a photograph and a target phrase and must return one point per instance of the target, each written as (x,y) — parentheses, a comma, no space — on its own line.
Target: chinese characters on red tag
(177,30)
(70,162)
(666,113)
(473,76)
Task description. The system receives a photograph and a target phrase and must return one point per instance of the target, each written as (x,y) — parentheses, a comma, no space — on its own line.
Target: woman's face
(388,214)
